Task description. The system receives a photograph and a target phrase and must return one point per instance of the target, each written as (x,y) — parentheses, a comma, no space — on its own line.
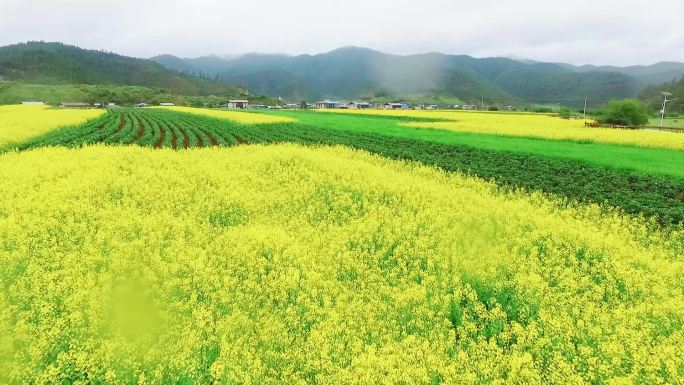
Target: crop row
(661,197)
(152,128)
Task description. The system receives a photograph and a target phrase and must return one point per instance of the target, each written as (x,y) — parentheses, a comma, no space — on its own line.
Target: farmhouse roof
(75,104)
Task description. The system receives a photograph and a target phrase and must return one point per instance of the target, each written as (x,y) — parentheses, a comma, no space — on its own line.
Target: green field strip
(640,159)
(637,193)
(94,135)
(67,134)
(650,195)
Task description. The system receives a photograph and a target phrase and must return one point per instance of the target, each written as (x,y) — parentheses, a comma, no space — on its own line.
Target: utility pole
(482,105)
(662,111)
(585,107)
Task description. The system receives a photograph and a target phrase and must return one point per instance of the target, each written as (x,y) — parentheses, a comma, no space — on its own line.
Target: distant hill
(59,64)
(654,74)
(352,72)
(653,98)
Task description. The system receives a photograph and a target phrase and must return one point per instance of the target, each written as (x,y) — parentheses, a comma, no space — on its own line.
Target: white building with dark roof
(328,104)
(238,104)
(359,106)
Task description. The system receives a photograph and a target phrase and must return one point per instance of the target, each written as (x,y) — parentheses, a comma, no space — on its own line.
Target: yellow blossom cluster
(236,116)
(285,264)
(532,126)
(21,122)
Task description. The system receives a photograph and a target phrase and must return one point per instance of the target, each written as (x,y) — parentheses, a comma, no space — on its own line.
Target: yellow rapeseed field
(292,265)
(532,125)
(236,116)
(21,122)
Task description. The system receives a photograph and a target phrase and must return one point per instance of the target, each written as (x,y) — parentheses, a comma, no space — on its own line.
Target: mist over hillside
(347,73)
(354,72)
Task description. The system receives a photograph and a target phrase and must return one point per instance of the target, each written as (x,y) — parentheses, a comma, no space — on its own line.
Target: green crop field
(647,160)
(190,246)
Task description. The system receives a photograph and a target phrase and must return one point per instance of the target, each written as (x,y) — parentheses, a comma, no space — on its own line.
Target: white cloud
(582,31)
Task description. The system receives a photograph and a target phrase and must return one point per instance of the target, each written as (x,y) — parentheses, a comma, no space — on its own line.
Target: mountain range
(360,73)
(349,73)
(61,64)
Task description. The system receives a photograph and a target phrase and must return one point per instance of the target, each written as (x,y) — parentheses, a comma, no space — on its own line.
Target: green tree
(629,112)
(565,113)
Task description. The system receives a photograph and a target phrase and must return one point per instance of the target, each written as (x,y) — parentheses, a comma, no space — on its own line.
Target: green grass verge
(669,122)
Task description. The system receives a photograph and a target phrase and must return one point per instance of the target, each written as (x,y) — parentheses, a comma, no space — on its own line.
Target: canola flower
(21,122)
(285,264)
(236,116)
(532,126)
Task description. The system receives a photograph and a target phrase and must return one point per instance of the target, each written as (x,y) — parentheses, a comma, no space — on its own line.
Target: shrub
(565,113)
(628,112)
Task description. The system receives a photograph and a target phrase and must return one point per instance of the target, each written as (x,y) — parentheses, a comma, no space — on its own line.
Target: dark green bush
(629,112)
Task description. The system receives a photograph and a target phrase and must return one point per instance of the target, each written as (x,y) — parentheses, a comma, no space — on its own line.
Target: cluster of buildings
(323,104)
(484,107)
(88,105)
(328,104)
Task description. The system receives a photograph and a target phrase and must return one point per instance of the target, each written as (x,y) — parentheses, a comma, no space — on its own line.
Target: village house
(29,103)
(394,106)
(359,106)
(327,104)
(167,104)
(238,104)
(292,106)
(74,105)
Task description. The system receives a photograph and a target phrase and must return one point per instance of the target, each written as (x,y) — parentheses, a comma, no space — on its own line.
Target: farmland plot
(285,264)
(21,122)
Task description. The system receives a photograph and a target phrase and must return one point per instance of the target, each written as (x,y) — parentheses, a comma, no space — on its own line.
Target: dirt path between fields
(174,139)
(200,142)
(122,124)
(162,138)
(186,138)
(141,132)
(211,137)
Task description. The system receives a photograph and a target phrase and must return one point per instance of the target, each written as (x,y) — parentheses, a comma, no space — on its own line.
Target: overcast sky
(619,32)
